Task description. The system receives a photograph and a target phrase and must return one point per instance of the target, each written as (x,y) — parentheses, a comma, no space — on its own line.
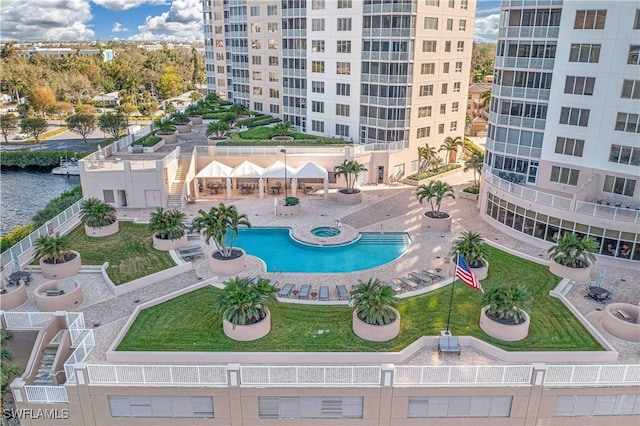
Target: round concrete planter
(61,270)
(62,302)
(376,333)
(579,275)
(616,325)
(282,138)
(183,128)
(480,273)
(168,138)
(228,267)
(13,298)
(283,210)
(195,119)
(214,141)
(436,224)
(102,231)
(349,199)
(505,332)
(166,245)
(246,333)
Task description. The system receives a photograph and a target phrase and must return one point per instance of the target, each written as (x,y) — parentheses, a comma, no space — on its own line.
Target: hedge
(57,206)
(148,141)
(432,173)
(23,158)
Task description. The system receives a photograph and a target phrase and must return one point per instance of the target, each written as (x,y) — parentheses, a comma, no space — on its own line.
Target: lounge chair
(393,286)
(408,283)
(342,292)
(448,344)
(286,291)
(419,278)
(324,293)
(272,283)
(184,250)
(434,273)
(191,255)
(304,292)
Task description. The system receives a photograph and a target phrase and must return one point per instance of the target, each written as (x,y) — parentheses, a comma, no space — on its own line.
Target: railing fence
(157,374)
(310,375)
(463,375)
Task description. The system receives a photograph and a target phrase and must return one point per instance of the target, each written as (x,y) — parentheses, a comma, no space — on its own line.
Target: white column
(261,187)
(294,187)
(229,189)
(326,188)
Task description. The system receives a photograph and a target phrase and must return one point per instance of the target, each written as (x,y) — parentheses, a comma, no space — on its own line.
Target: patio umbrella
(246,170)
(16,264)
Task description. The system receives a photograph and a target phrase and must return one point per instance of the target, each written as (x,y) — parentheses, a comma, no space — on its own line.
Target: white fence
(75,320)
(157,374)
(46,394)
(310,376)
(523,191)
(81,352)
(592,375)
(463,375)
(26,320)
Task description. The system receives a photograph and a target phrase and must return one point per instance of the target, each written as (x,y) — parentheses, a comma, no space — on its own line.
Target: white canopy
(247,170)
(310,170)
(276,170)
(214,169)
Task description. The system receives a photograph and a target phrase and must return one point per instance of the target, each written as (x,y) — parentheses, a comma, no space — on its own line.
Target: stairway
(374,238)
(174,199)
(43,376)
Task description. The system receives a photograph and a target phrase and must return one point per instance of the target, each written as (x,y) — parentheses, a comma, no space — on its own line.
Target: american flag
(464,273)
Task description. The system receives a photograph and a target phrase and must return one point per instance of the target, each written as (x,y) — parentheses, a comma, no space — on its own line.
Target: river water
(23,194)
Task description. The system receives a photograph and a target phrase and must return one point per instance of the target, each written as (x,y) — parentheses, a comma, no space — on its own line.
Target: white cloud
(486,29)
(118,28)
(183,21)
(46,20)
(127,4)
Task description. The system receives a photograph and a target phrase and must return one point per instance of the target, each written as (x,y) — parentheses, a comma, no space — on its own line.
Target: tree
(164,126)
(15,85)
(85,109)
(167,224)
(149,108)
(282,129)
(482,60)
(435,192)
(450,145)
(82,124)
(350,171)
(425,154)
(217,129)
(113,124)
(95,213)
(170,83)
(243,302)
(485,97)
(51,248)
(472,248)
(38,97)
(373,302)
(475,163)
(507,303)
(7,372)
(435,163)
(127,109)
(195,95)
(34,127)
(222,225)
(573,251)
(8,123)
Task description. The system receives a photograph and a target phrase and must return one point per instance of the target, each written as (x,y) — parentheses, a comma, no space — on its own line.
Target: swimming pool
(281,253)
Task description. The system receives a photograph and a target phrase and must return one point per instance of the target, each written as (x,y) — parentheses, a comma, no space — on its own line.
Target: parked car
(21,136)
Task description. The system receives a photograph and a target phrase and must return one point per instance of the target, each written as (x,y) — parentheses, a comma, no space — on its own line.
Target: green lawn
(190,323)
(130,252)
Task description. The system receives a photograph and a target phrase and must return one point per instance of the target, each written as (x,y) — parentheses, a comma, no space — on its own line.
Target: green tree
(7,372)
(485,97)
(8,123)
(507,303)
(425,154)
(38,97)
(221,224)
(450,146)
(167,224)
(51,248)
(373,302)
(195,95)
(15,86)
(149,108)
(85,109)
(472,248)
(95,213)
(282,129)
(573,251)
(113,124)
(164,126)
(127,109)
(243,302)
(435,163)
(170,83)
(475,163)
(217,129)
(435,192)
(350,171)
(482,60)
(35,127)
(82,124)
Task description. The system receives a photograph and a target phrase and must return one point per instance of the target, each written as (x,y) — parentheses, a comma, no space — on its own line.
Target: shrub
(473,189)
(573,251)
(291,201)
(148,141)
(507,304)
(431,173)
(242,302)
(472,249)
(17,234)
(96,213)
(167,224)
(373,302)
(57,206)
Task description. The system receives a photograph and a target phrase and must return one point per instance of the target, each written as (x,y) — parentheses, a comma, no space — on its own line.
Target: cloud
(118,28)
(46,20)
(183,21)
(127,4)
(486,29)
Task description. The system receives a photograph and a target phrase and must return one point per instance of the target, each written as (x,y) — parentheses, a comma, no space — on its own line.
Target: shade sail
(310,170)
(276,170)
(247,170)
(214,169)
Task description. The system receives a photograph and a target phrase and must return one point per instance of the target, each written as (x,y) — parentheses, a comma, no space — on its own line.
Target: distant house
(5,99)
(61,52)
(108,99)
(476,109)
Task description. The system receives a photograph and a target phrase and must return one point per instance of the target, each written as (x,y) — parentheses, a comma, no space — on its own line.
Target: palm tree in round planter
(350,170)
(473,249)
(435,192)
(222,224)
(572,257)
(99,218)
(243,306)
(168,229)
(217,130)
(450,145)
(374,315)
(56,260)
(282,131)
(166,130)
(503,315)
(181,120)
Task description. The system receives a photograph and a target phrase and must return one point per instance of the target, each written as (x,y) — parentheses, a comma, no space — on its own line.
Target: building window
(618,185)
(317,24)
(344,24)
(564,175)
(440,129)
(579,85)
(317,5)
(274,109)
(423,132)
(458,66)
(345,4)
(445,68)
(107,195)
(459,406)
(434,3)
(462,25)
(220,69)
(256,60)
(273,44)
(257,106)
(430,23)
(626,122)
(636,21)
(272,10)
(445,88)
(343,68)
(257,91)
(320,407)
(634,55)
(584,53)
(255,27)
(630,89)
(464,4)
(273,77)
(257,76)
(452,4)
(343,89)
(592,406)
(426,90)
(342,110)
(456,87)
(274,93)
(569,146)
(161,406)
(317,66)
(424,112)
(256,44)
(453,127)
(590,19)
(255,10)
(447,46)
(317,45)
(273,61)
(443,108)
(272,27)
(343,46)
(317,126)
(449,25)
(624,155)
(574,116)
(342,130)
(455,106)
(317,106)
(460,47)
(428,68)
(317,86)
(429,46)
(222,82)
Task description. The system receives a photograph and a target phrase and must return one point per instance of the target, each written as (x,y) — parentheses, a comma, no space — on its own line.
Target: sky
(140,20)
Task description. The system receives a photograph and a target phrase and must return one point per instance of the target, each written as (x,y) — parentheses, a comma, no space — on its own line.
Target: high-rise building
(563,151)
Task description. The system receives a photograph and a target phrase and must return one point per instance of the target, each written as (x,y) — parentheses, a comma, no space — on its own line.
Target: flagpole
(451,298)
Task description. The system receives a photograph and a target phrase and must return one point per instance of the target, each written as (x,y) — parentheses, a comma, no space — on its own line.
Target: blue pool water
(281,253)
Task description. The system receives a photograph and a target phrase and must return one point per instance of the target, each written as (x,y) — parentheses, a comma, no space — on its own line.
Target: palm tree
(220,224)
(573,251)
(507,303)
(15,85)
(485,97)
(167,224)
(282,128)
(450,145)
(51,248)
(180,118)
(350,170)
(436,163)
(472,248)
(425,154)
(96,213)
(373,302)
(475,163)
(7,372)
(435,192)
(243,302)
(239,109)
(217,129)
(164,126)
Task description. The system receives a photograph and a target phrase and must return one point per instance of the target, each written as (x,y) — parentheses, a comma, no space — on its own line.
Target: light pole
(284,151)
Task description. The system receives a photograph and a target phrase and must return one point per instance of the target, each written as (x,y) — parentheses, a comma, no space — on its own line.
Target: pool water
(281,253)
(325,231)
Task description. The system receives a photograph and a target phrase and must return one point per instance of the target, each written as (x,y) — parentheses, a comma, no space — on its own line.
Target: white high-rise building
(563,150)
